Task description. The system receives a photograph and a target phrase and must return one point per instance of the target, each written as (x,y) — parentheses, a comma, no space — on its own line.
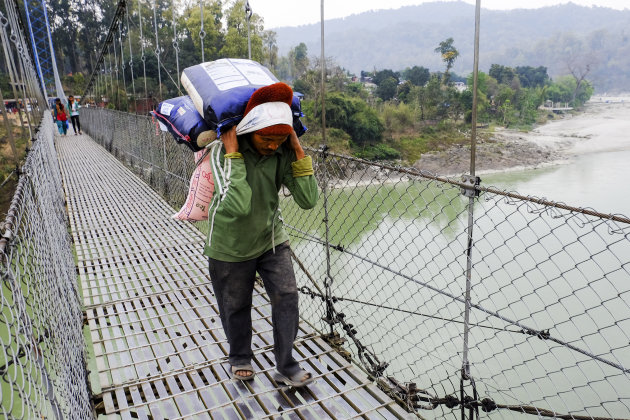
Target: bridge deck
(159,347)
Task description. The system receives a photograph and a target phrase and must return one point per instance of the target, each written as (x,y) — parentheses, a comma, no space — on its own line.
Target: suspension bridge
(422,296)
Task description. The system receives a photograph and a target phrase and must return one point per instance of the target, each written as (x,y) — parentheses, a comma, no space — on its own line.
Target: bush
(398,117)
(378,152)
(352,115)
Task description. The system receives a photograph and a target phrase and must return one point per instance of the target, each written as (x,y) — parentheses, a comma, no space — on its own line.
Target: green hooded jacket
(243,217)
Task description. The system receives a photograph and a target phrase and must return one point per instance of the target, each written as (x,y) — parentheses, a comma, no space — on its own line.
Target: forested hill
(550,37)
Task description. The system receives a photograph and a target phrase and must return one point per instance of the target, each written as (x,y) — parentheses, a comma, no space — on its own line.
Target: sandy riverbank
(603,125)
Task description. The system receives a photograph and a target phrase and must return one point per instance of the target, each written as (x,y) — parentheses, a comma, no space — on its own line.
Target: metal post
(328,281)
(323,78)
(465,374)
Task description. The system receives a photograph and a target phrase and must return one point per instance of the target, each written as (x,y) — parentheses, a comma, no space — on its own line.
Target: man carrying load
(246,236)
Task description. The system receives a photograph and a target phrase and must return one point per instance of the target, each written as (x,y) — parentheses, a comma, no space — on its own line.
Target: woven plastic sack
(179,117)
(200,190)
(220,90)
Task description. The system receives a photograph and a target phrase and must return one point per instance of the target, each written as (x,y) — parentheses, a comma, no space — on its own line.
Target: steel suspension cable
(121,9)
(23,57)
(9,58)
(202,33)
(133,82)
(111,74)
(122,62)
(116,66)
(157,47)
(176,44)
(9,128)
(143,56)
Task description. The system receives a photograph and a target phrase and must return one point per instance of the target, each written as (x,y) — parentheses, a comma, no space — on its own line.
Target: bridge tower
(41,40)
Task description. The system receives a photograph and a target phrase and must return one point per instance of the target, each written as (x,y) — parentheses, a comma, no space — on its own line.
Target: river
(597,180)
(597,144)
(404,250)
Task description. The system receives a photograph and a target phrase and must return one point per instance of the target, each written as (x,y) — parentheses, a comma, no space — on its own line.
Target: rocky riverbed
(604,125)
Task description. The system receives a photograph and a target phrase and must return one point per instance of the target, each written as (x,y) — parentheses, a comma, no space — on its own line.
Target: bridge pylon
(41,40)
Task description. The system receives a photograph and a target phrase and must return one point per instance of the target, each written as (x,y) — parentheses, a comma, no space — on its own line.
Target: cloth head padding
(277,92)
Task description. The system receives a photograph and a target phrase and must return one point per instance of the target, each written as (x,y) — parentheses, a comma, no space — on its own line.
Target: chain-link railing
(42,351)
(549,313)
(150,153)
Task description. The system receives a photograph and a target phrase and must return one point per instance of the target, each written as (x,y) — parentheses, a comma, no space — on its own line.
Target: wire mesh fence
(383,261)
(42,352)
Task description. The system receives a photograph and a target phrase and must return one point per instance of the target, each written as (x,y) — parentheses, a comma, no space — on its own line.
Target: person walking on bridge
(60,116)
(246,236)
(73,106)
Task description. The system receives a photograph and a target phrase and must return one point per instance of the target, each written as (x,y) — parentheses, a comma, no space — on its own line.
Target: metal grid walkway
(159,347)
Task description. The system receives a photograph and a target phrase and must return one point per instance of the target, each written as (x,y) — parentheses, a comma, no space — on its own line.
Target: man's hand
(229,140)
(294,143)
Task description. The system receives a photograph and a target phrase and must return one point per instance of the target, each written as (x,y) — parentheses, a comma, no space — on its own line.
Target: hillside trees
(175,35)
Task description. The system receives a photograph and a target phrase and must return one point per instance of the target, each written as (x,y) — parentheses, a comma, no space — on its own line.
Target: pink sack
(200,191)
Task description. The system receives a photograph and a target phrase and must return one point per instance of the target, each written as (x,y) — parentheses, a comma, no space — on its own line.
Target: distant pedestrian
(74,106)
(61,118)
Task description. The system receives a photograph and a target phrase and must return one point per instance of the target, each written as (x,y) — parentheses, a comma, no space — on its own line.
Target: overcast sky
(300,12)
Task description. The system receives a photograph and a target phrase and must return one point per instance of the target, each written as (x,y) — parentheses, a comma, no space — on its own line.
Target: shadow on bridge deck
(158,344)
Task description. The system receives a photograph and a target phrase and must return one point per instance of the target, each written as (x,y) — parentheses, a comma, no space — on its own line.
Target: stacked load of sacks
(218,92)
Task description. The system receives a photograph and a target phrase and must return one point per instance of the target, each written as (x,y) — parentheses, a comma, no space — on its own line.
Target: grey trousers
(233,284)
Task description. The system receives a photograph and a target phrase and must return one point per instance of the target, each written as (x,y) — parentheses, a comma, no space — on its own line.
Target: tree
(419,76)
(386,90)
(298,59)
(579,65)
(190,27)
(532,76)
(562,89)
(354,116)
(382,75)
(449,54)
(271,49)
(235,45)
(503,74)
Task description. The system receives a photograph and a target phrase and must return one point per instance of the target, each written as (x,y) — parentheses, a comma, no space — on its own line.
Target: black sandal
(236,368)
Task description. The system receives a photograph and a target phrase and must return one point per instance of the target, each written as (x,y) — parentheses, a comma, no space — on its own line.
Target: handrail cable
(532,199)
